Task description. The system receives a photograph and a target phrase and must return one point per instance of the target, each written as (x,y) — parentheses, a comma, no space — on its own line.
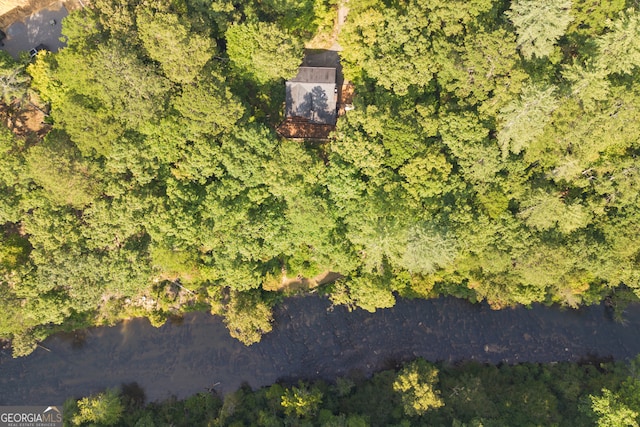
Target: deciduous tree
(262,51)
(248,316)
(170,40)
(104,408)
(302,401)
(417,384)
(208,107)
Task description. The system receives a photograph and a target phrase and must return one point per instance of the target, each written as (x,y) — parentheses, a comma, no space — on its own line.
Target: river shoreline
(310,340)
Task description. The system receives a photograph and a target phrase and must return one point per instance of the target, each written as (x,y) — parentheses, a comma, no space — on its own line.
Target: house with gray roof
(312,96)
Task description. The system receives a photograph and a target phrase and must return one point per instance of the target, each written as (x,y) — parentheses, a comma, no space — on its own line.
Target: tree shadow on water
(134,395)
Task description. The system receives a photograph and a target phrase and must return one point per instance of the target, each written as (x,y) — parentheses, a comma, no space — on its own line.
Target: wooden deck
(345,97)
(300,128)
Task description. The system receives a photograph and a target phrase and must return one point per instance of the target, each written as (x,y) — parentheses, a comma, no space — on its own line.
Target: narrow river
(309,341)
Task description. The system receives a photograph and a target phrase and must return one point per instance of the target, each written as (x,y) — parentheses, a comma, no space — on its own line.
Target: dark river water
(308,341)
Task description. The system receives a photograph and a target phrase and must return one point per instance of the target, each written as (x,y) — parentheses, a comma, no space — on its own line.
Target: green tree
(467,139)
(14,261)
(56,166)
(588,84)
(302,401)
(426,176)
(170,40)
(104,409)
(428,248)
(417,384)
(539,25)
(544,211)
(371,292)
(13,180)
(523,120)
(208,107)
(299,17)
(619,49)
(391,47)
(579,139)
(405,45)
(118,91)
(117,18)
(82,29)
(248,316)
(483,69)
(591,16)
(14,82)
(263,51)
(609,411)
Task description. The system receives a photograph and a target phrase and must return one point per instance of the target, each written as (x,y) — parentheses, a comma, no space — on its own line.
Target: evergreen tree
(619,49)
(539,24)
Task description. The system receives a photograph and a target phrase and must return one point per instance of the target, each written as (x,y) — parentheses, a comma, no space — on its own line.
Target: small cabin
(313,95)
(311,106)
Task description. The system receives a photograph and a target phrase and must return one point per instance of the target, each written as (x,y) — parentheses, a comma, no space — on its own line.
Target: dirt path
(343,11)
(329,41)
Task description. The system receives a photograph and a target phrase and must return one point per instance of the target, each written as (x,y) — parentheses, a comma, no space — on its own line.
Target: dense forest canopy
(418,394)
(492,154)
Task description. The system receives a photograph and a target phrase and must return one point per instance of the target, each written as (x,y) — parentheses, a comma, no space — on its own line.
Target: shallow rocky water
(309,341)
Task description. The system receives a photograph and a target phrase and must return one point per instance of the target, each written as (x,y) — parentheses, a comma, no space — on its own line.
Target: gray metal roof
(315,75)
(315,101)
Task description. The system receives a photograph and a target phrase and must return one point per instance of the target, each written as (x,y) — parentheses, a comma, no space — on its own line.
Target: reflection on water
(176,320)
(79,338)
(76,339)
(124,330)
(309,341)
(134,394)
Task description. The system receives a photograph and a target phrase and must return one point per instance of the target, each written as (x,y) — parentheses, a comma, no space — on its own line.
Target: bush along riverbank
(593,392)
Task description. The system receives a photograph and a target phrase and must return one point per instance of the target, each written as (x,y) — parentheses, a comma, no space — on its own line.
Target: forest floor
(27,122)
